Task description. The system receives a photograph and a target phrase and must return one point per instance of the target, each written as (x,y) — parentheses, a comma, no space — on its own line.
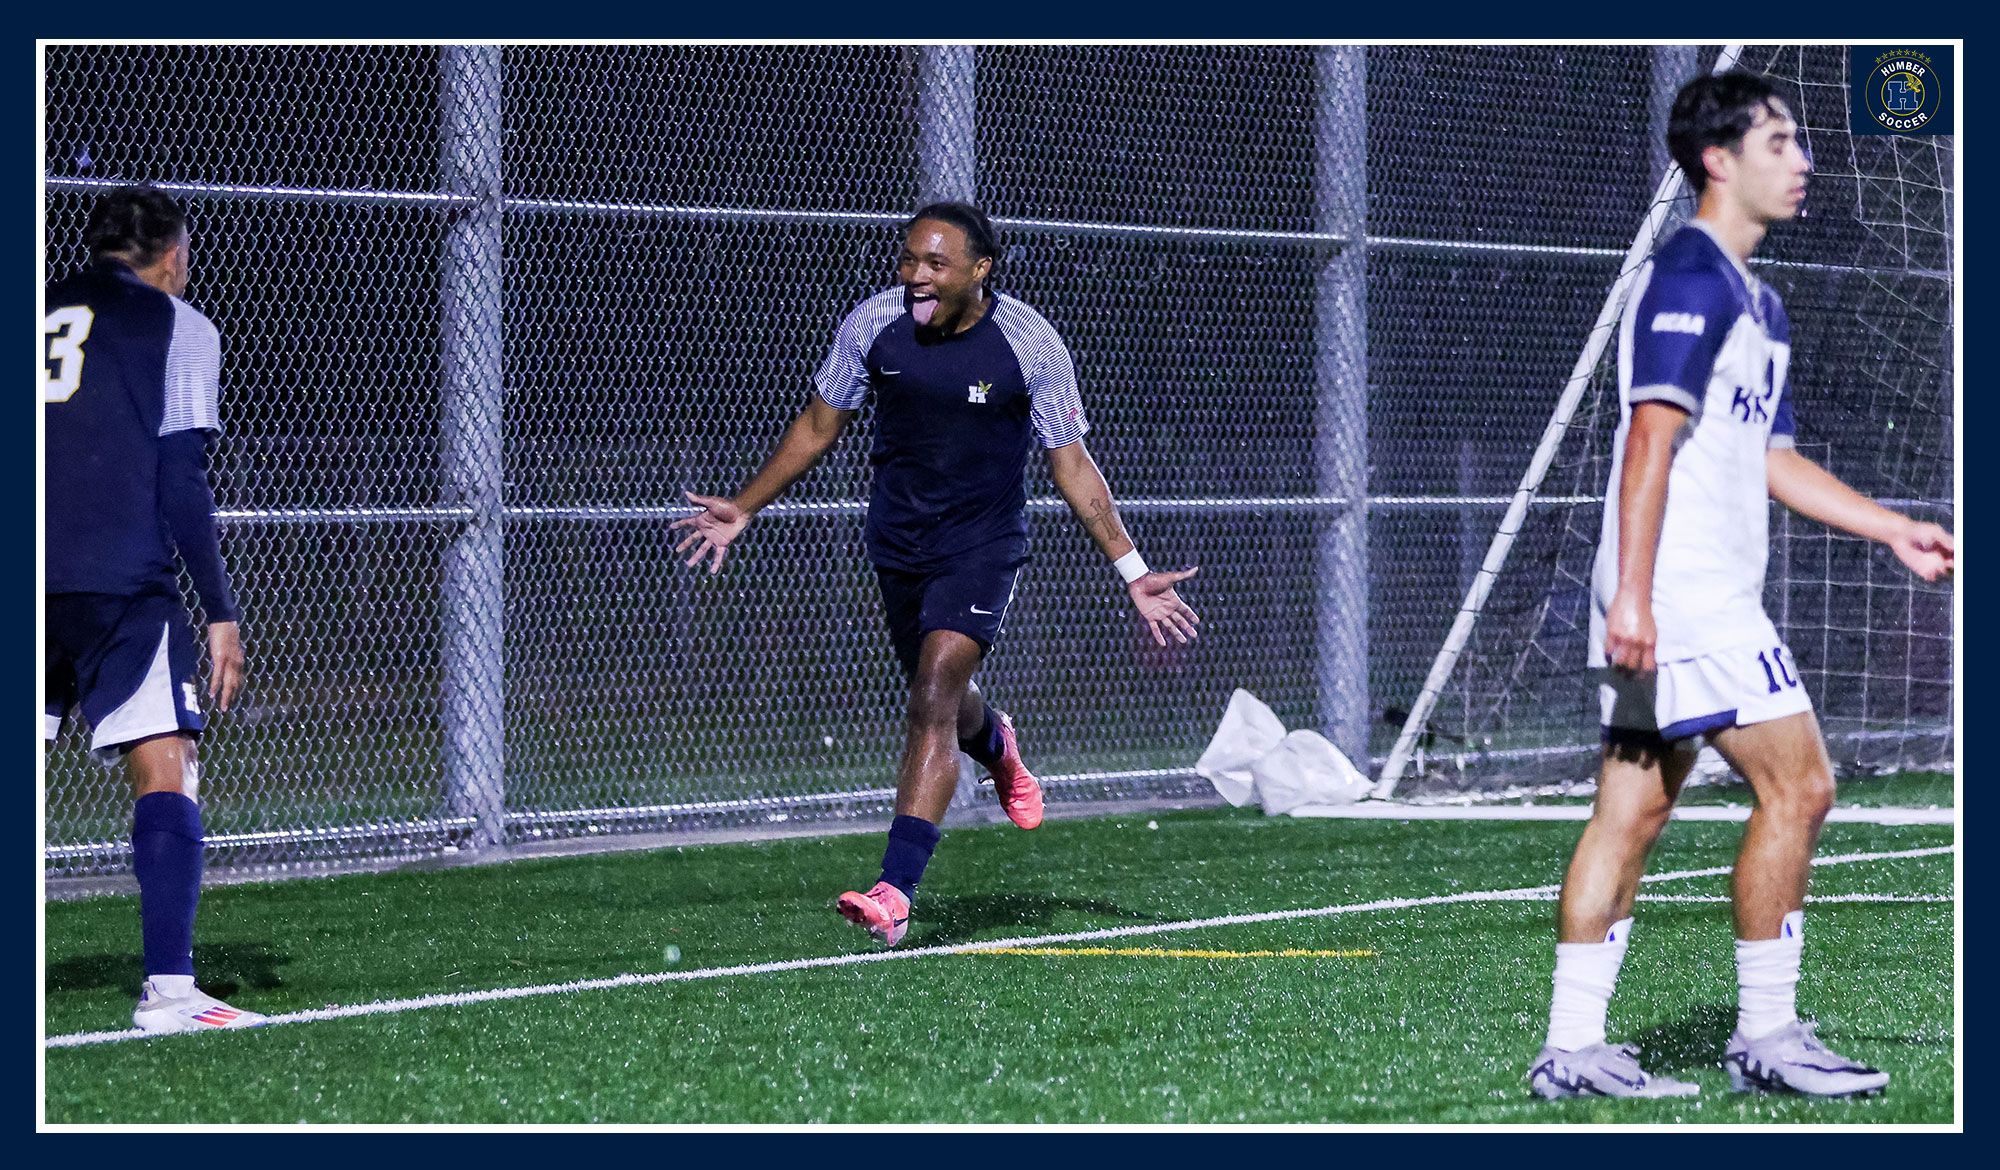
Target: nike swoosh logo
(987,612)
(886,373)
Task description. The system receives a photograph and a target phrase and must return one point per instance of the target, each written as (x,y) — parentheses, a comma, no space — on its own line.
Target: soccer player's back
(129,392)
(103,442)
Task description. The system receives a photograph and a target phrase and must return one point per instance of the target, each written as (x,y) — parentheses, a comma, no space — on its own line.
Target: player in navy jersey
(967,381)
(1678,628)
(129,390)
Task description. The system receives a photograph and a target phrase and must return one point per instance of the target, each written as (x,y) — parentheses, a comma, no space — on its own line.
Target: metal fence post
(947,168)
(947,102)
(471,680)
(1340,375)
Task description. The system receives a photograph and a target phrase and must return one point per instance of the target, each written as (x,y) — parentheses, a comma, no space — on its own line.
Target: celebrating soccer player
(129,387)
(1678,627)
(966,379)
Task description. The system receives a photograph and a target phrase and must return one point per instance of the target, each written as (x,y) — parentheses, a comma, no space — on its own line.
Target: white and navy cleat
(1793,1060)
(1601,1070)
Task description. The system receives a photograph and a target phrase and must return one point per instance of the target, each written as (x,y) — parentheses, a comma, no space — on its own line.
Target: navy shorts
(128,662)
(969,599)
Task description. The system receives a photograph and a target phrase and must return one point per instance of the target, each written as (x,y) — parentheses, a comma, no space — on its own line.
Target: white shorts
(1731,688)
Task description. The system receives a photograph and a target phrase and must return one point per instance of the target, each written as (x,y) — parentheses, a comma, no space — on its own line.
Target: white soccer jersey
(1706,336)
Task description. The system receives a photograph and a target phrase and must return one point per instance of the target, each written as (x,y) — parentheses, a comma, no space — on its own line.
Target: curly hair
(140,222)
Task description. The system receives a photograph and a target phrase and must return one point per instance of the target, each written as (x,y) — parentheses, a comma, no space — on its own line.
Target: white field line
(1811,899)
(1378,810)
(458,998)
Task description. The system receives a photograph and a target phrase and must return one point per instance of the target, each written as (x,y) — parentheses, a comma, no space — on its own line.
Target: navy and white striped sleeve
(194,373)
(842,380)
(1674,335)
(1055,404)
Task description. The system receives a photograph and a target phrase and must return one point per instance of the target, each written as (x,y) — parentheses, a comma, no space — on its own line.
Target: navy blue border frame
(1040,20)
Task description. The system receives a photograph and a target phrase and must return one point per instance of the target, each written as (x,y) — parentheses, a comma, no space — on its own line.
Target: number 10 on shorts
(1779,670)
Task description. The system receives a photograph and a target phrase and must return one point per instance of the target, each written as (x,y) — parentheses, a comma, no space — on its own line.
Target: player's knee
(931,705)
(167,763)
(1804,798)
(1636,822)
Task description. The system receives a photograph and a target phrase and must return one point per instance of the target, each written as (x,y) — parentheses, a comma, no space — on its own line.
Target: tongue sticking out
(923,311)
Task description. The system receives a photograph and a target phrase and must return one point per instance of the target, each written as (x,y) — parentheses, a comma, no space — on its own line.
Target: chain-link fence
(1865,275)
(487,312)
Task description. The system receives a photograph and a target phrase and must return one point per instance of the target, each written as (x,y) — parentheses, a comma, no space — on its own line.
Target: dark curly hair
(1716,110)
(980,239)
(139,223)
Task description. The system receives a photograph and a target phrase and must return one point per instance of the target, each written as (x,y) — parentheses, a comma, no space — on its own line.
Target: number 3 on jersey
(63,332)
(1779,658)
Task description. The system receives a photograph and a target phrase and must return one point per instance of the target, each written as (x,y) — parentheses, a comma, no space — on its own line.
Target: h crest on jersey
(978,392)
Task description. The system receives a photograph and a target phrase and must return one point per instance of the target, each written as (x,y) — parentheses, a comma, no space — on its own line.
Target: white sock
(1586,973)
(172,986)
(1767,979)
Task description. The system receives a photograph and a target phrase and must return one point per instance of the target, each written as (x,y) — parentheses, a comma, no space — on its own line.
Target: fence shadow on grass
(221,969)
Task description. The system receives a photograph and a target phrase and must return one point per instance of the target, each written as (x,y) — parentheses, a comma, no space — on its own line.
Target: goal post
(1671,184)
(1867,275)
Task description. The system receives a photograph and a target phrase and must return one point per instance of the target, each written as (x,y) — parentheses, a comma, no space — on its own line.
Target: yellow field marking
(1165,953)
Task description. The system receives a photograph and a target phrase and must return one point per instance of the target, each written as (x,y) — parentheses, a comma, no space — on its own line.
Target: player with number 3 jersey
(129,390)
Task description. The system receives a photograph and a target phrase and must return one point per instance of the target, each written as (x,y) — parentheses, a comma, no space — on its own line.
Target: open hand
(1162,607)
(711,531)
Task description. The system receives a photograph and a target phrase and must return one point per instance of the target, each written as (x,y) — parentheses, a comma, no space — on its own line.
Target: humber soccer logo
(1902,94)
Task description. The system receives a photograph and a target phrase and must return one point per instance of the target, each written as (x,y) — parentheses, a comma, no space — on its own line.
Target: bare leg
(164,763)
(1636,787)
(971,710)
(938,695)
(1786,764)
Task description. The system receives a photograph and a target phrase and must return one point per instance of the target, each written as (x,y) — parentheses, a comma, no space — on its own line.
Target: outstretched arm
(809,438)
(1810,490)
(1082,484)
(1629,634)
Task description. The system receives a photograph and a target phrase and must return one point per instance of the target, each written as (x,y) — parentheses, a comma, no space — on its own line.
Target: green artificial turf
(1436,1024)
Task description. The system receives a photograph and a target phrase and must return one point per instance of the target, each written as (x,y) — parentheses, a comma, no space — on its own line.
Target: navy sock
(985,745)
(912,840)
(166,858)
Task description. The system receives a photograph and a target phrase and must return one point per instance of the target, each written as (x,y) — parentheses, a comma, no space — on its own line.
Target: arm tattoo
(1100,519)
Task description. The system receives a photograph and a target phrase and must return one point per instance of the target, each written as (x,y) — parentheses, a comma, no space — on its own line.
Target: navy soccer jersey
(956,417)
(125,365)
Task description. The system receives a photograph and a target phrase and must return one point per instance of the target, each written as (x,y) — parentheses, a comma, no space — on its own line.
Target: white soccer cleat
(194,1012)
(1792,1059)
(1601,1070)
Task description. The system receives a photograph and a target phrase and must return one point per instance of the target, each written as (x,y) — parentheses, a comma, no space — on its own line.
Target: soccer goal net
(1509,709)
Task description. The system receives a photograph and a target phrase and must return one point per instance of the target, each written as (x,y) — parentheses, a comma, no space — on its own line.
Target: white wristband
(1131,566)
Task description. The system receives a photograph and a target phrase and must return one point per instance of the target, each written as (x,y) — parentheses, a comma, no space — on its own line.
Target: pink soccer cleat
(883,910)
(1019,792)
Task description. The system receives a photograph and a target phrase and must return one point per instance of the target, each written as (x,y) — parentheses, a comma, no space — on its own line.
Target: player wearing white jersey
(1678,629)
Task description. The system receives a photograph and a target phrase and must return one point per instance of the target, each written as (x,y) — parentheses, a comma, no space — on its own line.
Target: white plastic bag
(1249,731)
(1252,759)
(1305,771)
